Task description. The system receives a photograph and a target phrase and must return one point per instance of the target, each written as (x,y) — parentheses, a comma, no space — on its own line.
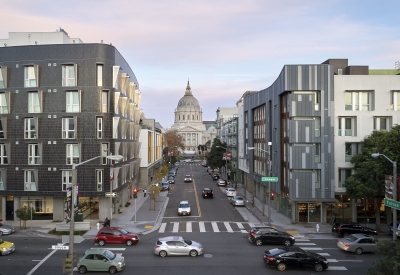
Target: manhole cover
(207,255)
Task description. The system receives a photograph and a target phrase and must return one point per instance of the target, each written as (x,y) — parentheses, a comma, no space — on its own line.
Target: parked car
(222,182)
(100,259)
(230,192)
(207,193)
(287,257)
(171,180)
(237,201)
(6,229)
(271,236)
(358,243)
(176,245)
(188,178)
(6,247)
(210,171)
(184,208)
(115,235)
(165,186)
(343,229)
(171,173)
(390,228)
(215,176)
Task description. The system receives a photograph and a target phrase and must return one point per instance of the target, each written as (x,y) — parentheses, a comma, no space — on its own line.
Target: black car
(269,235)
(294,257)
(215,176)
(207,193)
(171,180)
(343,229)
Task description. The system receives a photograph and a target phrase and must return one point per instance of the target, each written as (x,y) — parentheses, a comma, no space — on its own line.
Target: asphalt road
(226,251)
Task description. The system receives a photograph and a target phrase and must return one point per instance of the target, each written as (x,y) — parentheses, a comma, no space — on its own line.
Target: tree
(390,262)
(368,181)
(215,157)
(172,141)
(24,214)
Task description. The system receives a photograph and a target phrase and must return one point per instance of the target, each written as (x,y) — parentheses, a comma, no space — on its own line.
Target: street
(214,222)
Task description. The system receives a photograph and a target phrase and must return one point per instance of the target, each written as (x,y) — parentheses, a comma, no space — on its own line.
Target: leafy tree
(368,181)
(215,156)
(172,141)
(24,214)
(390,262)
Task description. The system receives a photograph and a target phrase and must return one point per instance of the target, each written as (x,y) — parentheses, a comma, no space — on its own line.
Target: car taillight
(270,259)
(347,245)
(252,234)
(212,192)
(157,246)
(339,228)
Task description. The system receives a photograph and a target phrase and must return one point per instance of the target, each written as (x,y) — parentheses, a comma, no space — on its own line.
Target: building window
(3,154)
(68,128)
(352,149)
(104,101)
(73,102)
(99,124)
(347,127)
(3,123)
(317,99)
(104,152)
(3,75)
(68,75)
(2,180)
(3,103)
(33,102)
(343,175)
(395,101)
(358,101)
(99,180)
(99,75)
(30,180)
(317,123)
(31,76)
(73,155)
(317,152)
(30,128)
(317,179)
(33,154)
(381,123)
(66,179)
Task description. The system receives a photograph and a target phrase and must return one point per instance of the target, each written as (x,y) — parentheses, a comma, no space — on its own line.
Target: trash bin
(78,217)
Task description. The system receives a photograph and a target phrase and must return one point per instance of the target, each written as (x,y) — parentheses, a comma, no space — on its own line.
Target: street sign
(392,203)
(273,179)
(60,246)
(111,194)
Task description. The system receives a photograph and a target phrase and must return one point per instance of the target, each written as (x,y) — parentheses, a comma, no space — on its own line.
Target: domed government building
(189,123)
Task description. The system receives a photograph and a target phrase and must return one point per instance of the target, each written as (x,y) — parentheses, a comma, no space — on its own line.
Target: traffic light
(272,196)
(135,193)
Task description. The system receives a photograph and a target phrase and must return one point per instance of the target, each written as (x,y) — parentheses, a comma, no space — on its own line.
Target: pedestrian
(106,223)
(145,192)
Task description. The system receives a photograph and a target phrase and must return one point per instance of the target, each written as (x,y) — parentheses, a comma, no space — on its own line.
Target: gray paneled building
(63,103)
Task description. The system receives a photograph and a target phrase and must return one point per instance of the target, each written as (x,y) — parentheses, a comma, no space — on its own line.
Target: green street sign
(273,179)
(392,203)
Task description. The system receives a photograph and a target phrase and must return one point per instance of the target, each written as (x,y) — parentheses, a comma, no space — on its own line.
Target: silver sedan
(176,245)
(358,243)
(6,229)
(237,201)
(230,192)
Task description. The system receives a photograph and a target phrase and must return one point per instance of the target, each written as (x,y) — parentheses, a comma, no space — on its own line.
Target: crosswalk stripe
(189,227)
(202,227)
(176,227)
(305,243)
(336,268)
(311,248)
(325,254)
(215,226)
(240,225)
(162,228)
(332,260)
(251,224)
(228,227)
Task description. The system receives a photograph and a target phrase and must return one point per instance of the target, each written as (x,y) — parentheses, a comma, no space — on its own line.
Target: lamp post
(72,223)
(375,155)
(269,174)
(226,163)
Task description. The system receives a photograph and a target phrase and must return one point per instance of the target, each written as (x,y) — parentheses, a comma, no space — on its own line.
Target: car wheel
(163,253)
(318,267)
(129,242)
(82,269)
(102,242)
(193,253)
(359,251)
(281,267)
(287,243)
(112,269)
(258,242)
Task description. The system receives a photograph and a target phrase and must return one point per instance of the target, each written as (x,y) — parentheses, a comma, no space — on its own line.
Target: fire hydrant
(317,227)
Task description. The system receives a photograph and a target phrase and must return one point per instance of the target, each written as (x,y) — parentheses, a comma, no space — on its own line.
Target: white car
(230,192)
(237,201)
(184,208)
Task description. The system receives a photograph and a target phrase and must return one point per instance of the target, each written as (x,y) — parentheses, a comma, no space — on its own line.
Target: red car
(115,235)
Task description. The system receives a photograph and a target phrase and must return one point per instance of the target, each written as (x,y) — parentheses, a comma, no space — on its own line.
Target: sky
(224,47)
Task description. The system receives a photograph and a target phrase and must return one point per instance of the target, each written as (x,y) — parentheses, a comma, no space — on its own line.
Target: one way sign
(111,194)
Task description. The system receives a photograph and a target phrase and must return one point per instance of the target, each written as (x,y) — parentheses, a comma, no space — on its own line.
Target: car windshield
(239,198)
(188,242)
(350,238)
(183,205)
(187,176)
(108,254)
(123,231)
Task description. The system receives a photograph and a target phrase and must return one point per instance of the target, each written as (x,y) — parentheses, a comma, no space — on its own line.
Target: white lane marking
(332,260)
(336,268)
(162,227)
(311,248)
(176,227)
(240,225)
(325,254)
(41,262)
(188,226)
(244,231)
(228,227)
(305,243)
(202,227)
(251,224)
(215,226)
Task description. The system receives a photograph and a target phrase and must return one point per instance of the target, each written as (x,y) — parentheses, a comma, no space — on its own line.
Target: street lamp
(226,163)
(72,208)
(269,174)
(375,155)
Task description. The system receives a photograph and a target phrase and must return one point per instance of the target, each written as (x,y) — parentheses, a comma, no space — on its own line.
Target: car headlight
(291,237)
(326,262)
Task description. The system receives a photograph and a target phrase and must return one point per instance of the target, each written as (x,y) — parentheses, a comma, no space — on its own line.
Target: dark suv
(269,235)
(207,193)
(343,229)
